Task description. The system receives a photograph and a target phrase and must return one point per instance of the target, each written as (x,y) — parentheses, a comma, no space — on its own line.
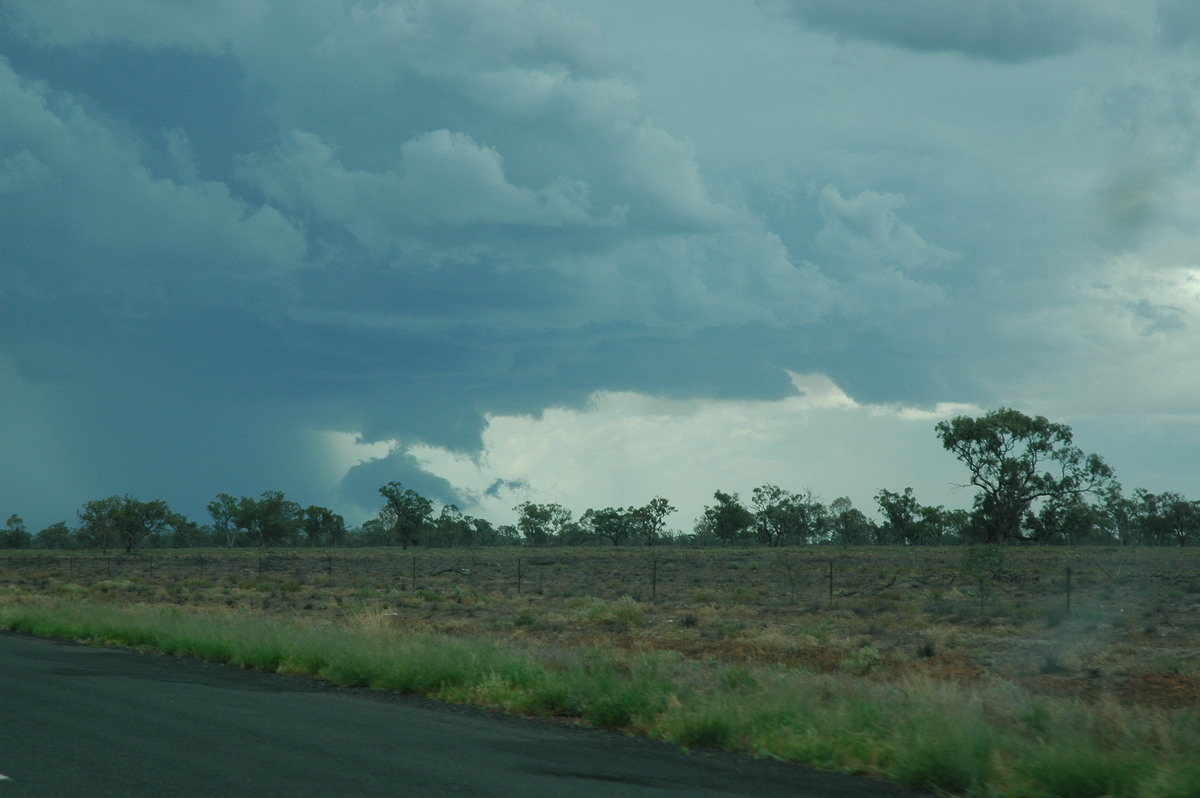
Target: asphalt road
(77,720)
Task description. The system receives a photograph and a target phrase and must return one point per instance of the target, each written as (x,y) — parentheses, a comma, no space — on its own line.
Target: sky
(588,251)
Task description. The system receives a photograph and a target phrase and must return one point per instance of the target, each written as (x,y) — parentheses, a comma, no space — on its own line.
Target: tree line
(1033,485)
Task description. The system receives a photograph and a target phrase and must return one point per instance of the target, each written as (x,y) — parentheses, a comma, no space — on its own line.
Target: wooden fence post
(1068,590)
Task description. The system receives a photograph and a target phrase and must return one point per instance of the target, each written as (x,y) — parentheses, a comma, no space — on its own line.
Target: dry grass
(1132,611)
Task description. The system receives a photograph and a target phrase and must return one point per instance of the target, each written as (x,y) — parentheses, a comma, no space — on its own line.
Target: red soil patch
(947,667)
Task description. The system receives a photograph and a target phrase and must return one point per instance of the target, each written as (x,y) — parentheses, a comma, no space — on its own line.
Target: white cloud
(625,448)
(865,231)
(439,177)
(1126,342)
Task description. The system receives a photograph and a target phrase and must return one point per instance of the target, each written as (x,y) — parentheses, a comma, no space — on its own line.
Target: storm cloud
(232,230)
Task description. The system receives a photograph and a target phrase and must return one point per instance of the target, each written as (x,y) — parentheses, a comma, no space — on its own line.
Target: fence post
(831,583)
(518,576)
(1068,590)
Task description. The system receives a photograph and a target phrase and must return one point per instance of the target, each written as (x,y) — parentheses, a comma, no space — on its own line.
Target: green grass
(990,739)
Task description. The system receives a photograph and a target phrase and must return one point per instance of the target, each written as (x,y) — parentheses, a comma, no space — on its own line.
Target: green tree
(903,515)
(780,515)
(1166,518)
(728,519)
(14,535)
(272,519)
(322,526)
(224,511)
(412,512)
(124,521)
(848,525)
(1067,519)
(56,536)
(613,524)
(1119,515)
(1016,460)
(483,532)
(454,528)
(651,518)
(542,524)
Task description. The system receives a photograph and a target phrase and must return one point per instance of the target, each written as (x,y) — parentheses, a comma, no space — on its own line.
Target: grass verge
(990,739)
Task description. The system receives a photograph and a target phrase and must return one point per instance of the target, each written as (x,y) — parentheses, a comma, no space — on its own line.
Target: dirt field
(1085,621)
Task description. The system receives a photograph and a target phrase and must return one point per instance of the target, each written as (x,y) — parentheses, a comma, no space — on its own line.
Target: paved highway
(77,720)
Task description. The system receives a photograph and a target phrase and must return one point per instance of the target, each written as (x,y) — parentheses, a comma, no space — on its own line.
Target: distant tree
(847,524)
(651,518)
(729,519)
(958,526)
(1183,518)
(271,520)
(186,534)
(14,535)
(508,535)
(56,536)
(378,531)
(483,532)
(124,521)
(902,515)
(781,515)
(1069,520)
(541,524)
(1165,518)
(1016,460)
(936,523)
(225,512)
(412,512)
(1119,515)
(614,524)
(453,528)
(322,526)
(773,511)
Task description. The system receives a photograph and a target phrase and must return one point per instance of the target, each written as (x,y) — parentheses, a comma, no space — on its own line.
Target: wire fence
(950,580)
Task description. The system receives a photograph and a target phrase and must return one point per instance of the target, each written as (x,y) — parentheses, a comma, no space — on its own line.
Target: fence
(947,580)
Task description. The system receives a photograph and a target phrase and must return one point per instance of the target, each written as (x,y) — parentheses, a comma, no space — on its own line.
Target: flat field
(1090,623)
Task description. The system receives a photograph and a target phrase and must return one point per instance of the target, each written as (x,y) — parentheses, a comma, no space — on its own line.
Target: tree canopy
(1016,460)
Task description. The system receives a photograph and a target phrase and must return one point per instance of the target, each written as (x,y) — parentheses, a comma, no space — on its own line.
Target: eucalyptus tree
(224,511)
(848,525)
(124,521)
(780,515)
(614,524)
(14,535)
(1166,518)
(542,524)
(271,519)
(728,519)
(411,510)
(652,518)
(902,512)
(322,526)
(1016,460)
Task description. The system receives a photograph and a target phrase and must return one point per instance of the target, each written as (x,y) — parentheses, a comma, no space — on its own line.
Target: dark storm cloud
(998,30)
(1179,21)
(227,228)
(230,229)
